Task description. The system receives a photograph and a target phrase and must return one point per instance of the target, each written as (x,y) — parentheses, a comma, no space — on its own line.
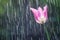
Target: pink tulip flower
(40,14)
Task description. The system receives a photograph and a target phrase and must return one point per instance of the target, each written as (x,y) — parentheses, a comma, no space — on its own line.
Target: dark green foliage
(17,21)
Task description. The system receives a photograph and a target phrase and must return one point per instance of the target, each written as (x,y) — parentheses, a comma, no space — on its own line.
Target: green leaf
(48,36)
(1,10)
(3,1)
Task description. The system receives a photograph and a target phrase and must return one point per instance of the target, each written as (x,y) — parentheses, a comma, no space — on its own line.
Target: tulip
(40,15)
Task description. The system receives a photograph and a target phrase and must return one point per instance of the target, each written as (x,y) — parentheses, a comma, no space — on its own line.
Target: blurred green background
(12,12)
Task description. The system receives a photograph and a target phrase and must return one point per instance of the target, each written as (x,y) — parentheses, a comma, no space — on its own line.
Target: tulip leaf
(2,4)
(3,1)
(1,10)
(46,31)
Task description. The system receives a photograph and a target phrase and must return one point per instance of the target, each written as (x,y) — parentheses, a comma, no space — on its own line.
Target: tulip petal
(35,13)
(45,11)
(40,10)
